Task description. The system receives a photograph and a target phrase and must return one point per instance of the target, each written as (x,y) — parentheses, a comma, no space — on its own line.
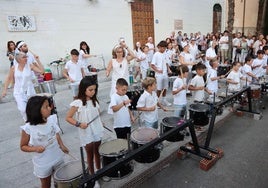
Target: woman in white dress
(119,64)
(21,74)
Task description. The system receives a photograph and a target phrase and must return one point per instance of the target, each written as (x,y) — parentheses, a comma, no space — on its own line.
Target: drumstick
(137,116)
(73,157)
(227,73)
(161,94)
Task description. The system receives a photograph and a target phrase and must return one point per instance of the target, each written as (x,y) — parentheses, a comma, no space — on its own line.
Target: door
(217,12)
(142,20)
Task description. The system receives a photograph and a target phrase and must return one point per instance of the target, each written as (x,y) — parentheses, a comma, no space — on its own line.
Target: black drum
(93,76)
(174,69)
(223,69)
(142,136)
(112,151)
(210,101)
(150,73)
(134,96)
(199,113)
(170,122)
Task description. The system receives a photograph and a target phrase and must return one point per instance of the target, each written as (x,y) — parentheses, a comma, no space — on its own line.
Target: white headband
(116,46)
(20,44)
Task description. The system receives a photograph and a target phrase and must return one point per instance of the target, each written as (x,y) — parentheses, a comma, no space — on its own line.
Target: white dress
(23,87)
(45,135)
(120,70)
(85,114)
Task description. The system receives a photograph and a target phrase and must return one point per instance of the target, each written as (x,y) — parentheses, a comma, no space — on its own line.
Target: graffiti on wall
(21,23)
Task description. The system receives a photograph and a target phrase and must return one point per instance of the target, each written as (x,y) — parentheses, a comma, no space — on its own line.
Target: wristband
(77,124)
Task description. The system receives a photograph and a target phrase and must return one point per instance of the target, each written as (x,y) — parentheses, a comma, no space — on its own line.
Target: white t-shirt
(84,61)
(74,70)
(159,60)
(169,53)
(179,98)
(224,46)
(245,70)
(212,85)
(122,116)
(198,81)
(45,135)
(234,76)
(193,49)
(148,100)
(150,52)
(258,71)
(85,114)
(144,64)
(188,58)
(211,54)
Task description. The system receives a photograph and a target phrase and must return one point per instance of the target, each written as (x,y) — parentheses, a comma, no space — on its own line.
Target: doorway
(142,20)
(217,14)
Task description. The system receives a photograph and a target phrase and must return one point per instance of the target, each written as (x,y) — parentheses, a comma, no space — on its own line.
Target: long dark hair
(87,51)
(84,84)
(33,110)
(8,45)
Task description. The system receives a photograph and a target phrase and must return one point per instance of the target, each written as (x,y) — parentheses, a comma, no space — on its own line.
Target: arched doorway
(217,12)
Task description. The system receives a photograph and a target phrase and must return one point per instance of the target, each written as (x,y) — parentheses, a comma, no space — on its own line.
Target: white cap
(183,44)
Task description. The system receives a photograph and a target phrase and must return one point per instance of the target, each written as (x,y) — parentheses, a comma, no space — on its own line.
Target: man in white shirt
(236,47)
(150,44)
(224,43)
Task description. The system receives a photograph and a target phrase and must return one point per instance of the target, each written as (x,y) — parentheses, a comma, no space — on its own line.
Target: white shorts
(74,87)
(161,82)
(45,171)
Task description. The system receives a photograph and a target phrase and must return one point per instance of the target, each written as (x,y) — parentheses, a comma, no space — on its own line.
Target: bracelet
(77,124)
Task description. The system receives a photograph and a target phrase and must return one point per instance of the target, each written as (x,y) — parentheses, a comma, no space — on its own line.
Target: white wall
(63,24)
(197,15)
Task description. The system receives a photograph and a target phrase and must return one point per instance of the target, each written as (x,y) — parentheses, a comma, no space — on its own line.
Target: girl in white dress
(86,108)
(40,135)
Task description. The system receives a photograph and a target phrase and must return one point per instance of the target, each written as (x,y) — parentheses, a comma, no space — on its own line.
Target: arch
(217,18)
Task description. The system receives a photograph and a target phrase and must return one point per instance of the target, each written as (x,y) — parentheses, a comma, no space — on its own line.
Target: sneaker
(135,81)
(97,184)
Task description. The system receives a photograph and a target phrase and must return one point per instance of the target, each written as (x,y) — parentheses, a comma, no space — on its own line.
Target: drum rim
(122,152)
(202,110)
(169,117)
(57,179)
(142,142)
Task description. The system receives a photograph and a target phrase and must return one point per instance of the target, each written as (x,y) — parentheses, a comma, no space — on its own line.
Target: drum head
(211,100)
(114,148)
(143,135)
(171,121)
(199,107)
(45,94)
(69,171)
